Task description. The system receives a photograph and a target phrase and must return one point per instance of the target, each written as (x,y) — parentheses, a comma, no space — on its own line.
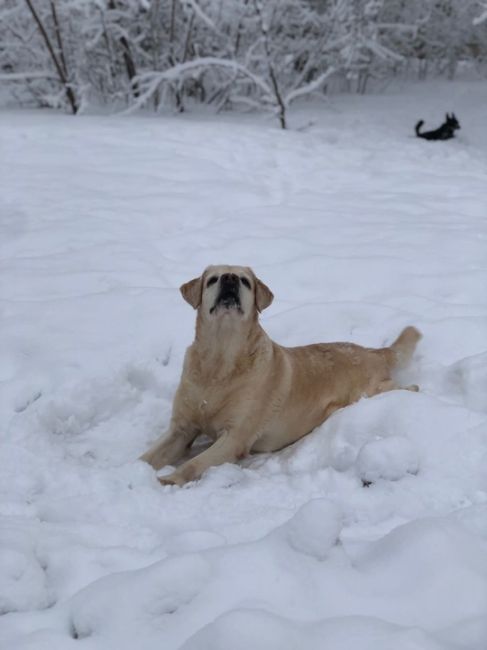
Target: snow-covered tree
(261,54)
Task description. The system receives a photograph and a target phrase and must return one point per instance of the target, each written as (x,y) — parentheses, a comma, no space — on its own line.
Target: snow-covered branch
(482,17)
(150,81)
(308,88)
(266,53)
(23,76)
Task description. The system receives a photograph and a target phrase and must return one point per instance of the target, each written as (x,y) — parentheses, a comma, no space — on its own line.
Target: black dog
(444,132)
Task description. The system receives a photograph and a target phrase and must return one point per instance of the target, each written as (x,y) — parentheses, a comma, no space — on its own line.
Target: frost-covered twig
(23,76)
(308,88)
(481,18)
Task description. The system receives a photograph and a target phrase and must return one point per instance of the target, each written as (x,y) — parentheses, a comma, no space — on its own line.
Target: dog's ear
(447,117)
(191,292)
(263,295)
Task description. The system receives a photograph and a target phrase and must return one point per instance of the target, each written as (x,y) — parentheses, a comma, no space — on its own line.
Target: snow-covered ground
(359,229)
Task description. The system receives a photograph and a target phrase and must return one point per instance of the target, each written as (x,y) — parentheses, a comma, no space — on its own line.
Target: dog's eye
(245,282)
(211,281)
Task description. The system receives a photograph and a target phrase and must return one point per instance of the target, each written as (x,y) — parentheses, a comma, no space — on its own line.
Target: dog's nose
(229,280)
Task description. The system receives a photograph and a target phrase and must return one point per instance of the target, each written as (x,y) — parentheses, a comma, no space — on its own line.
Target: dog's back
(324,377)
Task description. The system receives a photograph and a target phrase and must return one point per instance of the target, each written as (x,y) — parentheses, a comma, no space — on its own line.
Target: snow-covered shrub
(256,53)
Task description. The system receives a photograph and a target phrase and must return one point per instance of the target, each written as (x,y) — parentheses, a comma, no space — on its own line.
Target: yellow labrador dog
(250,394)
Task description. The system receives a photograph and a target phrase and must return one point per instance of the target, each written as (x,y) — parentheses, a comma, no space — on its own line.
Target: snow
(359,229)
(388,458)
(314,529)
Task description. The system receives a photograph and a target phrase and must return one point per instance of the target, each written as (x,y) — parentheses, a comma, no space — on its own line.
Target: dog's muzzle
(229,294)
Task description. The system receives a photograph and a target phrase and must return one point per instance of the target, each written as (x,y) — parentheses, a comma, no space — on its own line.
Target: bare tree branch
(62,77)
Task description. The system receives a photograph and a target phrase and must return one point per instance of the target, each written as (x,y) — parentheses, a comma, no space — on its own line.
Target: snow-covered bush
(256,53)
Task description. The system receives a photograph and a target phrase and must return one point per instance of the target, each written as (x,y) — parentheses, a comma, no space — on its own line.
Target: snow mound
(244,629)
(23,584)
(387,458)
(114,606)
(438,563)
(314,529)
(469,378)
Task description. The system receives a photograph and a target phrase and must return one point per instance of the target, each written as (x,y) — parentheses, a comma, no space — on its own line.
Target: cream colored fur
(250,394)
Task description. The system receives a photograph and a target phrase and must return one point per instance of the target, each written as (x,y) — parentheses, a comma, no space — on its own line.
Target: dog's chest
(211,406)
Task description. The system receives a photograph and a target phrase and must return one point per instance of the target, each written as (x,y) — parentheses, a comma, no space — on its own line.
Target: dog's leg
(389,384)
(227,449)
(169,448)
(385,386)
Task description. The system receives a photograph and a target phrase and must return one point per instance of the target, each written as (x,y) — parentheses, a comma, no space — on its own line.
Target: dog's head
(452,121)
(227,292)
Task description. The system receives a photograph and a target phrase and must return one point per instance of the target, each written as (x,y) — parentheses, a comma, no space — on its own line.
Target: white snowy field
(359,229)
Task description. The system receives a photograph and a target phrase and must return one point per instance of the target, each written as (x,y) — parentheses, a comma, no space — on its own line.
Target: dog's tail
(403,347)
(418,127)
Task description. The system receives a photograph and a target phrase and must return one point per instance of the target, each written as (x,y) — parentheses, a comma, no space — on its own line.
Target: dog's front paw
(184,474)
(176,478)
(170,479)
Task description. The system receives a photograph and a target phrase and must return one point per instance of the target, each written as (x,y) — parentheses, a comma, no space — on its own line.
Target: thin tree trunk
(172,58)
(60,66)
(272,74)
(111,58)
(127,58)
(239,29)
(155,11)
(280,102)
(188,38)
(129,65)
(57,31)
